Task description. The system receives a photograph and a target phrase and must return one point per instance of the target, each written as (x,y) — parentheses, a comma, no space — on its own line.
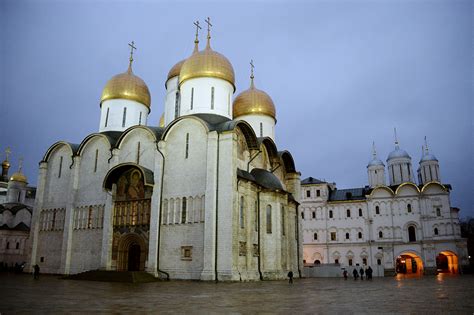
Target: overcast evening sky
(341,73)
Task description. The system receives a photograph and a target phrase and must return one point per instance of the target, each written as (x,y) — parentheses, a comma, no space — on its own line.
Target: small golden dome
(18,177)
(207,63)
(5,164)
(127,86)
(253,101)
(162,120)
(174,72)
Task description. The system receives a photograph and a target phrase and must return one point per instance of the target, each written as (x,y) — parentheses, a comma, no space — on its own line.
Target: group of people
(368,273)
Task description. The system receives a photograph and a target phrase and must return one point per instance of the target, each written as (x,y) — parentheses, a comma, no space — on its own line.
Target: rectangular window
(212,97)
(409,172)
(282,219)
(330,214)
(183,212)
(124,118)
(308,193)
(96,158)
(318,193)
(333,236)
(269,219)
(314,214)
(107,117)
(241,212)
(140,119)
(192,98)
(348,213)
(60,166)
(261,129)
(438,212)
(360,212)
(186,154)
(186,253)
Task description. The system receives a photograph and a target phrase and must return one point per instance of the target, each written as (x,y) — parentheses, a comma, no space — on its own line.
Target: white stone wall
(200,90)
(171,106)
(136,114)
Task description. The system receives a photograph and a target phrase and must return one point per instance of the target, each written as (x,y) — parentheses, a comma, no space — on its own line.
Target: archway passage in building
(409,263)
(447,262)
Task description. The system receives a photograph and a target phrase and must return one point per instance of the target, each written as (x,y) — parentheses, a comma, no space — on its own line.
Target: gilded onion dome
(253,101)
(127,86)
(162,121)
(18,177)
(5,164)
(207,63)
(175,70)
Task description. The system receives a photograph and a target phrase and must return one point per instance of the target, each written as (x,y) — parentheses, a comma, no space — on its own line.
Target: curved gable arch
(407,184)
(87,139)
(245,128)
(433,183)
(114,173)
(270,147)
(126,132)
(288,161)
(71,146)
(177,120)
(382,187)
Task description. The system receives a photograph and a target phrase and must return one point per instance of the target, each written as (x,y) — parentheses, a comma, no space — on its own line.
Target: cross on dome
(132,47)
(7,153)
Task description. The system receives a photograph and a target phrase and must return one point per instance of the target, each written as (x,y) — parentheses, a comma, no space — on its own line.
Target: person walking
(368,273)
(36,272)
(344,273)
(355,274)
(361,271)
(290,276)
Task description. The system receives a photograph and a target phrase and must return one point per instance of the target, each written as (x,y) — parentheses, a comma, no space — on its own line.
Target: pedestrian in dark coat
(344,273)
(355,274)
(361,271)
(36,271)
(290,276)
(368,272)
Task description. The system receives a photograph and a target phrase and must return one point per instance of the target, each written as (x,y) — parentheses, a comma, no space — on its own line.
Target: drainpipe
(258,234)
(160,215)
(298,240)
(253,158)
(217,212)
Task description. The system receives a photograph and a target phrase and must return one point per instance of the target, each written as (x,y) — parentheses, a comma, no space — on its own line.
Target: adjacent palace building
(402,227)
(205,195)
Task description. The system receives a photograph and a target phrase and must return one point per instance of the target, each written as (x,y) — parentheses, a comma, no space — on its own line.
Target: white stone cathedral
(402,227)
(205,195)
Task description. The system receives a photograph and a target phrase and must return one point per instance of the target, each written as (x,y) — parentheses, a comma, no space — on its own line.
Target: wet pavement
(49,294)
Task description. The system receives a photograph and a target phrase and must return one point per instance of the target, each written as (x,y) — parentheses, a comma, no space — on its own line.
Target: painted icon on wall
(130,186)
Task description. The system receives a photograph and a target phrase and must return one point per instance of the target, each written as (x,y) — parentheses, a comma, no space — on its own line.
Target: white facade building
(200,197)
(401,227)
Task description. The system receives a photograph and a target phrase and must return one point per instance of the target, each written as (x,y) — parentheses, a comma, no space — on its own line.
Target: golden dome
(18,177)
(207,63)
(5,164)
(127,86)
(253,101)
(174,72)
(162,120)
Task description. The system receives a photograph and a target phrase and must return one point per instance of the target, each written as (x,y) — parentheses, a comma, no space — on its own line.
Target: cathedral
(206,194)
(399,227)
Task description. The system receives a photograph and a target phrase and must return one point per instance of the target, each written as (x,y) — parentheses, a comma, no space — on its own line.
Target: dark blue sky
(341,73)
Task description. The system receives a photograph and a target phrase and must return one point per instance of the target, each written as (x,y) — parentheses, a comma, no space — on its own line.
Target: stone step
(114,276)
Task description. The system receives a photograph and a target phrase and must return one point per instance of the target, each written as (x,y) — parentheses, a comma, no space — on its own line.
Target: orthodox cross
(197,29)
(251,68)
(20,164)
(132,47)
(7,153)
(208,22)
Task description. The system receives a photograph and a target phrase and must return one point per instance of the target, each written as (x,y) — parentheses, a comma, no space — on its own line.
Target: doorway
(409,263)
(447,262)
(134,253)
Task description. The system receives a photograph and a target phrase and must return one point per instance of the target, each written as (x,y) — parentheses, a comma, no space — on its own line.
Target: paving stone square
(49,294)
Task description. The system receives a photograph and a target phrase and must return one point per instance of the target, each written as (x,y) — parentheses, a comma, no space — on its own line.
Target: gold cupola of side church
(19,176)
(127,86)
(253,102)
(175,70)
(207,63)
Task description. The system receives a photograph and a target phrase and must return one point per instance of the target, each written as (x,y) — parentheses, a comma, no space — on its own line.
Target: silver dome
(375,162)
(398,153)
(428,157)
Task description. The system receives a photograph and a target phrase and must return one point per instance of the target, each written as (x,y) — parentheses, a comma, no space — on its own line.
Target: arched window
(17,245)
(438,212)
(314,214)
(183,212)
(347,236)
(8,245)
(315,236)
(409,207)
(350,261)
(377,210)
(269,219)
(379,261)
(336,261)
(359,235)
(241,212)
(436,231)
(302,215)
(317,262)
(380,234)
(411,233)
(348,212)
(330,214)
(360,212)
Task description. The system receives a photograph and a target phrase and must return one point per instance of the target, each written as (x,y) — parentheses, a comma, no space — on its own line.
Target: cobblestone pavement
(443,293)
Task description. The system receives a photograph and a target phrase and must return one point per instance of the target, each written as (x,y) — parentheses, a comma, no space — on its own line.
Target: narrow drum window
(60,166)
(269,219)
(330,214)
(176,105)
(96,158)
(409,172)
(124,118)
(212,97)
(409,207)
(140,119)
(183,212)
(138,152)
(192,97)
(186,154)
(107,117)
(256,216)
(261,129)
(241,212)
(401,173)
(283,220)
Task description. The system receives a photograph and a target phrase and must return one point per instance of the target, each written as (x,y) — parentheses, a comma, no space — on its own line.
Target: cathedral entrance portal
(134,257)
